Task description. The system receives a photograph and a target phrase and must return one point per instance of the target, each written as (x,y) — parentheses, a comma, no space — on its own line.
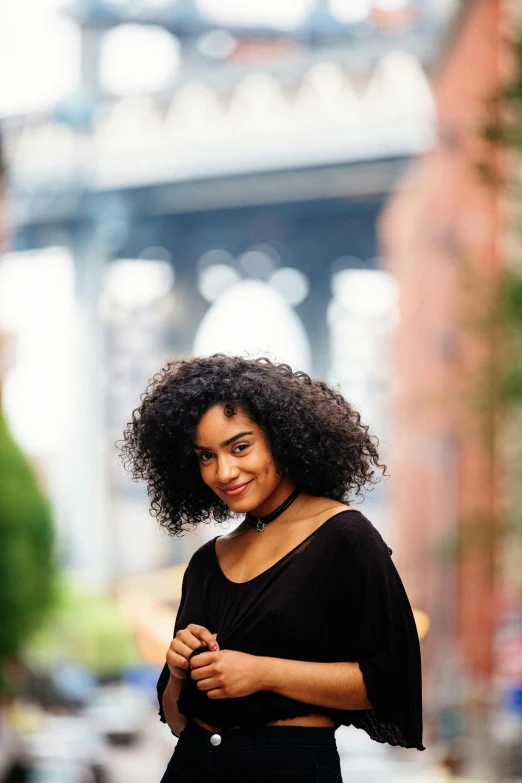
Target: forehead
(216,425)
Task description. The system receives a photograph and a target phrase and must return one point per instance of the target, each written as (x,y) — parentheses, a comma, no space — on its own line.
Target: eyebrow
(225,442)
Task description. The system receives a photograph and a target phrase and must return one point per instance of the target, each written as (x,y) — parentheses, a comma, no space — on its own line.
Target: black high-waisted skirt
(266,754)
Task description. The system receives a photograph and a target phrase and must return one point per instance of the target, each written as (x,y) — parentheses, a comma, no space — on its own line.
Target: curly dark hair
(316,437)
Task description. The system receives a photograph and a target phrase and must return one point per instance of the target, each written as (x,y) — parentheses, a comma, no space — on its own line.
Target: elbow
(361,701)
(174,719)
(177,726)
(364,701)
(355,702)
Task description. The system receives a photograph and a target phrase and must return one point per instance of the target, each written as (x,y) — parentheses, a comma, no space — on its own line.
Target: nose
(227,470)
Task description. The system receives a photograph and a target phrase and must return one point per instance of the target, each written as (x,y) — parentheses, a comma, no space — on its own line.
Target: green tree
(26,550)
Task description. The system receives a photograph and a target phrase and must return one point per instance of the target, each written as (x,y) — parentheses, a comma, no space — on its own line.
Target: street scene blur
(332,183)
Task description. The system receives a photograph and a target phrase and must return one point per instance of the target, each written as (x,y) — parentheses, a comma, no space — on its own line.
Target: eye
(241,447)
(205,456)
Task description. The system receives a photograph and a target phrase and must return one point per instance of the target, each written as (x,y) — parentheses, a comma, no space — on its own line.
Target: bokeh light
(351,11)
(291,283)
(366,292)
(138,59)
(271,13)
(256,263)
(217,44)
(39,56)
(135,283)
(215,279)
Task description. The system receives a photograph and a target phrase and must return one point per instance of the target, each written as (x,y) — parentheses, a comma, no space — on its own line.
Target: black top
(335,597)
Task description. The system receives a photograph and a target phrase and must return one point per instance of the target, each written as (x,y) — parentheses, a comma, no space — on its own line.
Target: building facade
(443,235)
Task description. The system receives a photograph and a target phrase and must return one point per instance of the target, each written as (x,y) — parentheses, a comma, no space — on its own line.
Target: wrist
(267,674)
(172,690)
(176,681)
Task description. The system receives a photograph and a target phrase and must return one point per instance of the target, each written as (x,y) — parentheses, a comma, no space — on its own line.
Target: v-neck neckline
(281,559)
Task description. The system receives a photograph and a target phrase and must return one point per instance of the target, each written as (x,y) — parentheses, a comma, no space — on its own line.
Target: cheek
(205,473)
(269,468)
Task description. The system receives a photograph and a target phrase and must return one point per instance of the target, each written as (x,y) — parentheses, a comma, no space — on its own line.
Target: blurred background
(335,183)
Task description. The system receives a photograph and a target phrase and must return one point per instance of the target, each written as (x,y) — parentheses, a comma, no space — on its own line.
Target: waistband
(275,736)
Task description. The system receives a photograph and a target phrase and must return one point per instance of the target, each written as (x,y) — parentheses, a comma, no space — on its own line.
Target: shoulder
(354,531)
(202,556)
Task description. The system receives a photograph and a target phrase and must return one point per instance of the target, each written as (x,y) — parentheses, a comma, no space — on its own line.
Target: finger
(217,693)
(202,633)
(180,648)
(202,673)
(188,638)
(191,642)
(214,646)
(203,659)
(177,661)
(211,683)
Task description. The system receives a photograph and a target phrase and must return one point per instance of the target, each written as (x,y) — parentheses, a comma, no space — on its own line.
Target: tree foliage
(26,549)
(506,128)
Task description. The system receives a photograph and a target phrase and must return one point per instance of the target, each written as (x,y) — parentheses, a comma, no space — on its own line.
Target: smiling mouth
(237,490)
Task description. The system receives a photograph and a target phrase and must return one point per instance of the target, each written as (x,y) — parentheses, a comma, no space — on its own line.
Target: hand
(226,674)
(184,643)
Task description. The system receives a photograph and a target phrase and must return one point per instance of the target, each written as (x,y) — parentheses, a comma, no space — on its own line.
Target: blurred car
(119,712)
(68,742)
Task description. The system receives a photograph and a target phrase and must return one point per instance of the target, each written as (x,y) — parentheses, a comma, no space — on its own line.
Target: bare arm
(178,655)
(339,686)
(175,720)
(230,674)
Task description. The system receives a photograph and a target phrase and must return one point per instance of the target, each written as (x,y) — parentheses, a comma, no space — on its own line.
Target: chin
(242,505)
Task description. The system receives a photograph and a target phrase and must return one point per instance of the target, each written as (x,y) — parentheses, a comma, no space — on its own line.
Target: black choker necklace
(261,522)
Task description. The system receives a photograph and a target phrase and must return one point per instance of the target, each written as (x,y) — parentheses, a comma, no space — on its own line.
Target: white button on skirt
(215,740)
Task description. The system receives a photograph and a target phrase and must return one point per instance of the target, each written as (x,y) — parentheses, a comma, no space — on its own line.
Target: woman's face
(236,462)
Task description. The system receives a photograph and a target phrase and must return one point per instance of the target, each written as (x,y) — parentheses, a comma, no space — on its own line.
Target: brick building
(442,235)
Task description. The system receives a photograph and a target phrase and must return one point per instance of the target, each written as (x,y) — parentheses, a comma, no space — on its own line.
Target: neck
(273,501)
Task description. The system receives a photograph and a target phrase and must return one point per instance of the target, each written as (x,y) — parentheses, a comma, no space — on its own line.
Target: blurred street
(361,761)
(144,760)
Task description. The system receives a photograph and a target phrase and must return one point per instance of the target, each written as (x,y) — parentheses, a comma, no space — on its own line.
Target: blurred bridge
(217,149)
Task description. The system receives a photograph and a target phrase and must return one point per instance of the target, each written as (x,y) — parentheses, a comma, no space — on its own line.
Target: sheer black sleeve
(385,643)
(165,674)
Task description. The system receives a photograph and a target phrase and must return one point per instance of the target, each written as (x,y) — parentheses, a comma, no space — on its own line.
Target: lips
(238,489)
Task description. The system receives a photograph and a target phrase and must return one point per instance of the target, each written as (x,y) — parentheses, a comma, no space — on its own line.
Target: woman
(296,621)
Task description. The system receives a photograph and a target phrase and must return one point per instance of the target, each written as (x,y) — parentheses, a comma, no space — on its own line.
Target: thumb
(214,646)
